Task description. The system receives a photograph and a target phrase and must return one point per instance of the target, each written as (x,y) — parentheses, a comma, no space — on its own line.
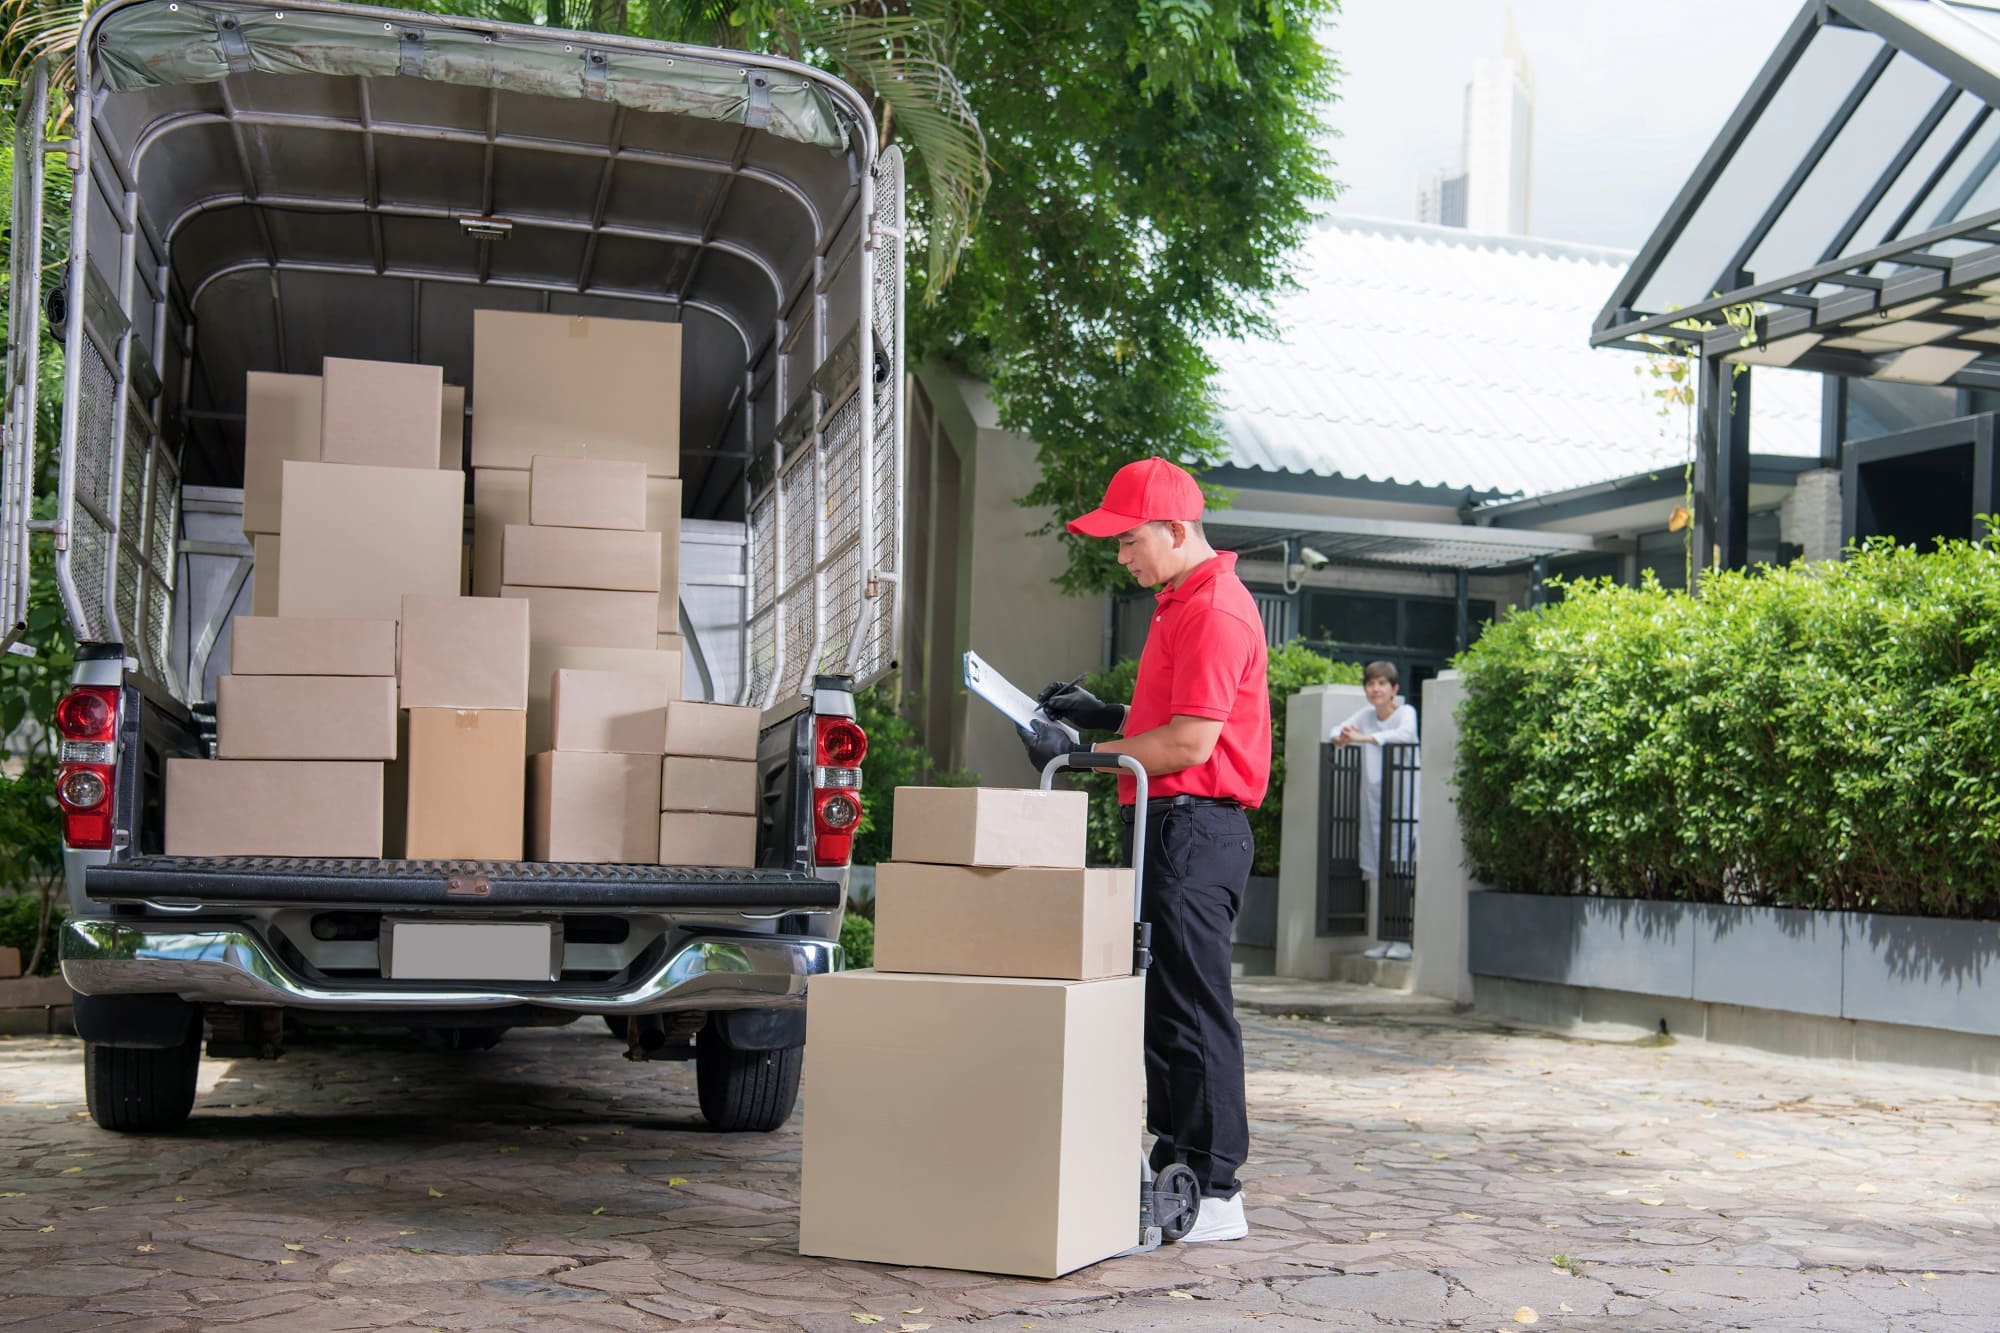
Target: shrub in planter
(1823,736)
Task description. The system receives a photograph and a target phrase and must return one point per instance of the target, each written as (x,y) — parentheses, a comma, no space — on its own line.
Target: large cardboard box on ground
(268,646)
(381,413)
(358,538)
(264,574)
(280,421)
(691,839)
(264,808)
(451,429)
(305,717)
(609,712)
(718,731)
(587,493)
(464,652)
(594,807)
(1017,1153)
(467,776)
(544,660)
(500,497)
(577,386)
(587,617)
(1070,925)
(990,826)
(708,786)
(534,557)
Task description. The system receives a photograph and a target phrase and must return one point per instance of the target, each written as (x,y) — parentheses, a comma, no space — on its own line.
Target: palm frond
(32,30)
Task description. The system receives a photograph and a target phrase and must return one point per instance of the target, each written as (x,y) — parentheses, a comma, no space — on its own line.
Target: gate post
(1309,716)
(1439,965)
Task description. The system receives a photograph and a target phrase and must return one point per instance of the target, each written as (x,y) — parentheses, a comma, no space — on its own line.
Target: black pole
(1463,633)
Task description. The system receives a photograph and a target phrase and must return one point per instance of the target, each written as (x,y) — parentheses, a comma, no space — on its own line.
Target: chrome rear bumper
(231,965)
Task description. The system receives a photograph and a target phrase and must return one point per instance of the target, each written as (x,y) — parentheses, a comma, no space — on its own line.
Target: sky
(1628,95)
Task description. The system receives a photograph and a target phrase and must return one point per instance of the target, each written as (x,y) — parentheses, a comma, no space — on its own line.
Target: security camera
(1311,559)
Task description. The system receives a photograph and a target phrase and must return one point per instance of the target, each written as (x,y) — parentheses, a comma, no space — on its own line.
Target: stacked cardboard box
(344,473)
(593,794)
(708,786)
(1012,1004)
(464,677)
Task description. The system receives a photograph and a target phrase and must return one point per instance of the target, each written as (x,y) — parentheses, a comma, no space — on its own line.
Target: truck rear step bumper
(274,881)
(230,964)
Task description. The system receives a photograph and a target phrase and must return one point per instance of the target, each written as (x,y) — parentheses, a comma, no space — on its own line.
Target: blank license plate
(482,951)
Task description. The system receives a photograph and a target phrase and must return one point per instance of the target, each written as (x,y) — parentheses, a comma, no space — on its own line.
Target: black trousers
(1197,863)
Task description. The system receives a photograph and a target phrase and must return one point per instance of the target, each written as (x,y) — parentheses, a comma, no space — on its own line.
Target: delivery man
(1200,722)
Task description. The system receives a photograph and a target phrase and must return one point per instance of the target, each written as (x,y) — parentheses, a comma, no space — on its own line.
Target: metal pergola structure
(1846,221)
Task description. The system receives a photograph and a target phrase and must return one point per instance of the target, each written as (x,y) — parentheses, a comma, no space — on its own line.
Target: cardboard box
(594,808)
(587,617)
(1030,1104)
(990,826)
(599,558)
(10,962)
(268,646)
(609,712)
(305,717)
(708,786)
(451,429)
(576,386)
(671,642)
(259,808)
(280,421)
(663,515)
(1070,925)
(587,493)
(464,652)
(467,784)
(264,574)
(726,842)
(381,414)
(499,499)
(545,659)
(358,538)
(717,731)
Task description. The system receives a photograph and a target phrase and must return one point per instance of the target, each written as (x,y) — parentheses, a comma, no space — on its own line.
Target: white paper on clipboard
(1003,694)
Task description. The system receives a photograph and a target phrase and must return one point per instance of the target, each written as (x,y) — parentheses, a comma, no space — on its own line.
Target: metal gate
(1343,893)
(1396,910)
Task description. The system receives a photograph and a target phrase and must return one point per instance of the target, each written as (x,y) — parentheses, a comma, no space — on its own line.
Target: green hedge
(1291,668)
(1823,736)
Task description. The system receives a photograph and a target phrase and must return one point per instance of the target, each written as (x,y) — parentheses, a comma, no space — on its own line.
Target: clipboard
(1019,708)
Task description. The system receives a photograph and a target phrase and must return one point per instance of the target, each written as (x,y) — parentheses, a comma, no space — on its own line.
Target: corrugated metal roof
(1437,356)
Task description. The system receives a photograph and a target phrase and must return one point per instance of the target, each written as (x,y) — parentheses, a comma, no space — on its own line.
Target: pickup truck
(257,187)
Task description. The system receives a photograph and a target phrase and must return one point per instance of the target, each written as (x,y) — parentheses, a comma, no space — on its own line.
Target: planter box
(1915,971)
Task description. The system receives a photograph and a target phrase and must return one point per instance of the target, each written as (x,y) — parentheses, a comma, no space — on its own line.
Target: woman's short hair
(1381,671)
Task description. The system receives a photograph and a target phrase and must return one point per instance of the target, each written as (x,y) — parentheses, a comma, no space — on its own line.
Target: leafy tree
(1154,165)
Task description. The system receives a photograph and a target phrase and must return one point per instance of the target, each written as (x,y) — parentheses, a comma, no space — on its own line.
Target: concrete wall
(1810,515)
(1302,950)
(1439,957)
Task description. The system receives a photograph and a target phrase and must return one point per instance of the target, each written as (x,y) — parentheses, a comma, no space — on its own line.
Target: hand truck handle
(1092,759)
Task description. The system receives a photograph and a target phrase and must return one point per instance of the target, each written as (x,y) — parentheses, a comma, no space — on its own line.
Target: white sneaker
(1399,952)
(1219,1219)
(1378,951)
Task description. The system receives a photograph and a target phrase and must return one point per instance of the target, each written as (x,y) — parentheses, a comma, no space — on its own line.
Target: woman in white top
(1384,721)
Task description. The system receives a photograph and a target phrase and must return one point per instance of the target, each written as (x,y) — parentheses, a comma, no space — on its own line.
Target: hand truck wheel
(1176,1201)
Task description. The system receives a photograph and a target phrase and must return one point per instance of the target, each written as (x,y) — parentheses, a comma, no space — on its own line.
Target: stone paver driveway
(1420,1171)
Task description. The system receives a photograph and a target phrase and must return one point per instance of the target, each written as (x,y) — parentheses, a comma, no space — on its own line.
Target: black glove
(1045,740)
(1079,707)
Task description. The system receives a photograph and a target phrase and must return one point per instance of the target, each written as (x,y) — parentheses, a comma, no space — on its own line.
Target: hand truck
(1169,1201)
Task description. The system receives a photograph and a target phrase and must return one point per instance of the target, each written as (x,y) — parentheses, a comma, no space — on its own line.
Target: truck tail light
(87,727)
(839,746)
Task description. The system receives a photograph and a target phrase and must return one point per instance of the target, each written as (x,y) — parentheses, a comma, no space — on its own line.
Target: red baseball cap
(1142,492)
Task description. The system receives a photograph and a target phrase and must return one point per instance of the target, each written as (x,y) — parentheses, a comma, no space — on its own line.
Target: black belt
(1159,805)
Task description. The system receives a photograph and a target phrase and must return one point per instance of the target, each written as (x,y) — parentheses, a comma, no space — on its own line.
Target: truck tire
(135,1090)
(745,1091)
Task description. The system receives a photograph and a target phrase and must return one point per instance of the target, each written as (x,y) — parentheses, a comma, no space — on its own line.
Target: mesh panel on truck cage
(840,575)
(761,659)
(89,552)
(796,502)
(879,649)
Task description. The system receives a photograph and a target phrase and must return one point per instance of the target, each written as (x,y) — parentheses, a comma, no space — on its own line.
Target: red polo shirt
(1204,657)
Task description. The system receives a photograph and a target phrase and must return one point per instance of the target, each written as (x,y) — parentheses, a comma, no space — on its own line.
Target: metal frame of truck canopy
(256,188)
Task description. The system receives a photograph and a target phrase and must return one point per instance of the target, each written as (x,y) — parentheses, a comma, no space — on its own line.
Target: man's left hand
(1044,741)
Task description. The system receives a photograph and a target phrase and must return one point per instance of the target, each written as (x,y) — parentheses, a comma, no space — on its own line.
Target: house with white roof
(1427,436)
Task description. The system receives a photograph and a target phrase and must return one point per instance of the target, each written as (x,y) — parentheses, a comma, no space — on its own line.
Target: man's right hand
(1079,707)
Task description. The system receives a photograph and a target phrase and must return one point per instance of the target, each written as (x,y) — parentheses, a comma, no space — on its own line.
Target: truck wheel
(132,1090)
(745,1091)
